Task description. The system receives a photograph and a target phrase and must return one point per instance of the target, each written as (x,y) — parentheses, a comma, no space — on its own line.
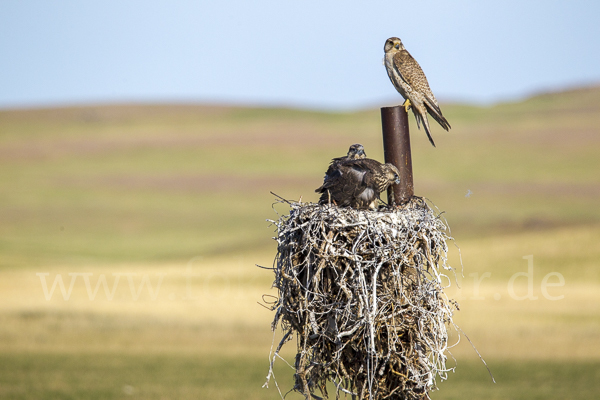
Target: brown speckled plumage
(356,182)
(410,81)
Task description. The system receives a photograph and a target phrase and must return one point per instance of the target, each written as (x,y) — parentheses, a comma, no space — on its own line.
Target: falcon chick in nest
(355,181)
(355,152)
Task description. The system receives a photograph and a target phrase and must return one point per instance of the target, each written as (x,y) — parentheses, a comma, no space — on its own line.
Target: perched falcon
(356,183)
(408,79)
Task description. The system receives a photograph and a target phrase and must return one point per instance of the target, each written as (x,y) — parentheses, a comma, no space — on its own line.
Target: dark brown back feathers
(356,183)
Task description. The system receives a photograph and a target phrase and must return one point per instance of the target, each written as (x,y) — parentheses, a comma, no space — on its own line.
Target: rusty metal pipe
(396,149)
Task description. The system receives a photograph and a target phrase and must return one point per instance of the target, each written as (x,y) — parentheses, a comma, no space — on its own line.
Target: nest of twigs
(363,293)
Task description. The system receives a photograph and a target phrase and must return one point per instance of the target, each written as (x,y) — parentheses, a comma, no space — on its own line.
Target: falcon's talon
(407,105)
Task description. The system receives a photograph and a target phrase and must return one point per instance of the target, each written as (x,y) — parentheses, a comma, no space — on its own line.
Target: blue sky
(314,54)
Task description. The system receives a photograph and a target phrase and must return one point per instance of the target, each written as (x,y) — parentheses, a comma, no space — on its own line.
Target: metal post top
(396,149)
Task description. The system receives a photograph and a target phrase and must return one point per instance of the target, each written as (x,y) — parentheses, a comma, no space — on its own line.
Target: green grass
(527,380)
(118,376)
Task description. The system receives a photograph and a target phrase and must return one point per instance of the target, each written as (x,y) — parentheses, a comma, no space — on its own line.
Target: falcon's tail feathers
(324,187)
(435,111)
(418,117)
(423,118)
(427,131)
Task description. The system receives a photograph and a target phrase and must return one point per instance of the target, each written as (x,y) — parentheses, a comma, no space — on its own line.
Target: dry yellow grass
(210,306)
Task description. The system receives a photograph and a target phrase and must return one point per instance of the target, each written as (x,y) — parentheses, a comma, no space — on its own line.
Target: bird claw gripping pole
(396,149)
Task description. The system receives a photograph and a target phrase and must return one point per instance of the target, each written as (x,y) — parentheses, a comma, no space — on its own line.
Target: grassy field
(169,204)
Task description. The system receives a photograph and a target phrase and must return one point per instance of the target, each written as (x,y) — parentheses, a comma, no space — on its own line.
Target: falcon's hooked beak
(397,181)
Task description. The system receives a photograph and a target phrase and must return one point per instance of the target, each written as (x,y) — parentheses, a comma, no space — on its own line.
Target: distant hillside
(169,182)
